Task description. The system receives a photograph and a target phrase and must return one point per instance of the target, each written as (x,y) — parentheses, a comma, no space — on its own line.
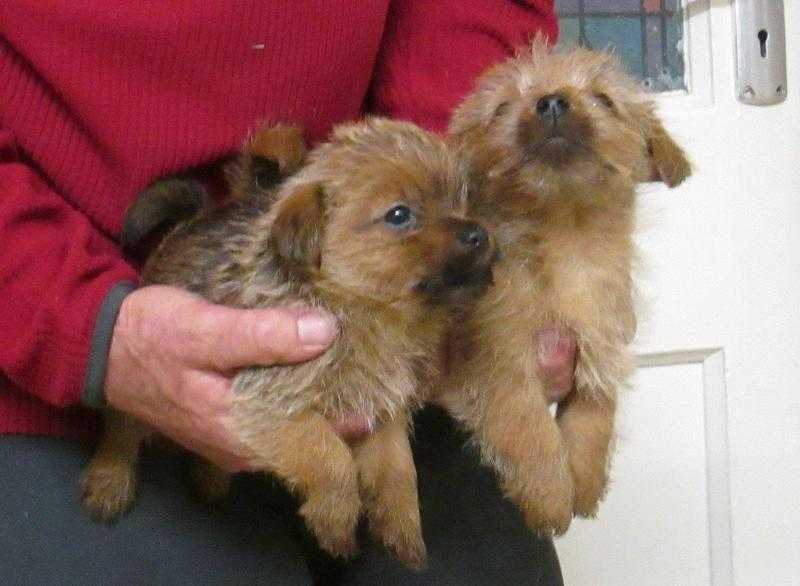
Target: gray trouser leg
(474,536)
(168,538)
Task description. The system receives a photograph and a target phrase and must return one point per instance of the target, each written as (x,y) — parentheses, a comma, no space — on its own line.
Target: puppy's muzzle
(468,266)
(471,263)
(557,132)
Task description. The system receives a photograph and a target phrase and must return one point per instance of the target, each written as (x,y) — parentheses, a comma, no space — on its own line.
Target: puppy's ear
(298,225)
(667,161)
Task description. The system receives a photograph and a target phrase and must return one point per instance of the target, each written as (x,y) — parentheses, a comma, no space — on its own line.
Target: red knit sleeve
(432,51)
(55,272)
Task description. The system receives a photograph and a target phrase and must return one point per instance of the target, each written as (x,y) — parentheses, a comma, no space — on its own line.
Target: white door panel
(635,538)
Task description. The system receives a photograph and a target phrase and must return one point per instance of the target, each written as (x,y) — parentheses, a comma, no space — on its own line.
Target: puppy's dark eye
(399,216)
(605,101)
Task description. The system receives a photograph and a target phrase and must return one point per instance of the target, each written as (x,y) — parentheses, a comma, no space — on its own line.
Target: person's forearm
(57,269)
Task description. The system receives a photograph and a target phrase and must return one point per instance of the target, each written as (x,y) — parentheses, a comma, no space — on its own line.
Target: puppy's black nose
(474,236)
(552,106)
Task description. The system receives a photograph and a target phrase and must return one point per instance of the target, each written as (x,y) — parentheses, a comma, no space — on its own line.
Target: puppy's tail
(160,207)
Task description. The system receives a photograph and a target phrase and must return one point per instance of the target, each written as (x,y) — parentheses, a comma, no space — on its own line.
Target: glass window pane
(646,34)
(654,52)
(569,34)
(567,6)
(673,51)
(611,6)
(621,35)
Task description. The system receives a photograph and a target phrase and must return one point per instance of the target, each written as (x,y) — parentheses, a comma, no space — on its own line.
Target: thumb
(556,357)
(226,338)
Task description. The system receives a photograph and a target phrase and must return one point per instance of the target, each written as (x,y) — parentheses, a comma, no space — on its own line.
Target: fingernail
(316,329)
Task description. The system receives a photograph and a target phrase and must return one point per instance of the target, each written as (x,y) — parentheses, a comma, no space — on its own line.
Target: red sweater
(98,98)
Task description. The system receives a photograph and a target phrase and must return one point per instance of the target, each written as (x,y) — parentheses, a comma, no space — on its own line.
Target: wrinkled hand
(173,357)
(557,351)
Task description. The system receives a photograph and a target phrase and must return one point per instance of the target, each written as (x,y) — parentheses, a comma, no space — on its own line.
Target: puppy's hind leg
(586,421)
(388,481)
(108,484)
(306,452)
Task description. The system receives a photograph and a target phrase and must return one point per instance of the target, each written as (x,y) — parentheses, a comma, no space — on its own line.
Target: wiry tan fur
(563,213)
(323,242)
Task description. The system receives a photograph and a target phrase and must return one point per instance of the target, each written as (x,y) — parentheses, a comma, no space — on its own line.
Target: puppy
(372,229)
(557,143)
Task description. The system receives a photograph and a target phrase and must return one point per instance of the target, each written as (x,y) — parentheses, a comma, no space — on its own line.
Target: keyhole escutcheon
(762,41)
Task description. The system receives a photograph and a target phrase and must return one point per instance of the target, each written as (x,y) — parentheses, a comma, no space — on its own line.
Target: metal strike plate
(760,52)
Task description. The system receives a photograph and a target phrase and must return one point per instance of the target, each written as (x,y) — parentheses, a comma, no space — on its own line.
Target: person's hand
(556,353)
(173,357)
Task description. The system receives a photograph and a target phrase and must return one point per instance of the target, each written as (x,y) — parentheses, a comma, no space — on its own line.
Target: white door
(706,481)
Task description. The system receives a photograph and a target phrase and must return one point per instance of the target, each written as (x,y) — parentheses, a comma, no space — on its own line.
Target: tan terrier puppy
(558,143)
(372,229)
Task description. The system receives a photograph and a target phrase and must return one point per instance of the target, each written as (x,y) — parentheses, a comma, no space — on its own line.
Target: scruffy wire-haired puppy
(558,143)
(372,229)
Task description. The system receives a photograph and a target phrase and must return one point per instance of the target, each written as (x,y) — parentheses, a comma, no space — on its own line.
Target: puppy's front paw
(108,489)
(397,525)
(333,518)
(587,509)
(587,498)
(548,510)
(393,514)
(549,520)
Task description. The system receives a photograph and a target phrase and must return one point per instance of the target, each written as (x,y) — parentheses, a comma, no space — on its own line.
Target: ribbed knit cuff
(93,387)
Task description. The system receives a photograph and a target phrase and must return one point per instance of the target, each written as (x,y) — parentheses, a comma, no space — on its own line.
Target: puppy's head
(380,210)
(576,113)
